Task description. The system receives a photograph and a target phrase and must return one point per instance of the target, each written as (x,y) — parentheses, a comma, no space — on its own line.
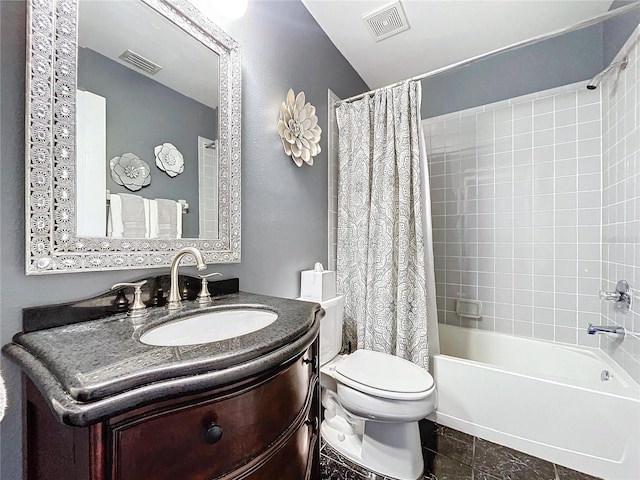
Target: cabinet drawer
(293,461)
(171,444)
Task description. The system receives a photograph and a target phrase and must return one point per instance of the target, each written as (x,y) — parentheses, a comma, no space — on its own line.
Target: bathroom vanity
(100,404)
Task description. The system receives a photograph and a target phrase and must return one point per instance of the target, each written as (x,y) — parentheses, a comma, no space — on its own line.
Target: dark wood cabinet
(263,428)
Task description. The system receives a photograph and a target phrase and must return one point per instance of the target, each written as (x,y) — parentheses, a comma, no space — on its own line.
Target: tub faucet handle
(609,296)
(621,296)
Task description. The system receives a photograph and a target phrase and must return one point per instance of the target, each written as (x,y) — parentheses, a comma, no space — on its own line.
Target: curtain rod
(530,41)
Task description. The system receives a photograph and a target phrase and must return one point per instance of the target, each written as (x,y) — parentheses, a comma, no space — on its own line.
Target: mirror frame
(50,200)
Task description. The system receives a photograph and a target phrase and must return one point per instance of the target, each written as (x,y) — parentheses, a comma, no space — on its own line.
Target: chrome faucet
(621,297)
(174,302)
(593,329)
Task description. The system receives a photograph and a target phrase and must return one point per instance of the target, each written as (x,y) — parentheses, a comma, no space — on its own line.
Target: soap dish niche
(469,308)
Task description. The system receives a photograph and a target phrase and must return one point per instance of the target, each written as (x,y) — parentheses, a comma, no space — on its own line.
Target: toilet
(373,402)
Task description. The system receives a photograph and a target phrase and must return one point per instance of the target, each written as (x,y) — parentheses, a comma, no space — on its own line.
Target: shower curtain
(382,270)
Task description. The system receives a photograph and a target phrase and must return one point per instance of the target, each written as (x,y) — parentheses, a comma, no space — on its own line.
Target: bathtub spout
(593,329)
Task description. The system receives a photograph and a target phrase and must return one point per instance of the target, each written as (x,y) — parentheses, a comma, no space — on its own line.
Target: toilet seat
(384,375)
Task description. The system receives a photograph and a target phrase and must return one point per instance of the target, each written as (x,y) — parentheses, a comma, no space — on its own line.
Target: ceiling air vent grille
(140,62)
(386,21)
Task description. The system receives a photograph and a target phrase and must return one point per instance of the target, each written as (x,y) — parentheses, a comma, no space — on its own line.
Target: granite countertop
(96,369)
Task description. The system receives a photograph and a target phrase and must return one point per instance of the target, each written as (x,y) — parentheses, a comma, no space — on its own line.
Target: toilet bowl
(373,402)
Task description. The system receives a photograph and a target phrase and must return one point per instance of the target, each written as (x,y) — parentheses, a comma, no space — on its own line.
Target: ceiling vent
(140,62)
(386,21)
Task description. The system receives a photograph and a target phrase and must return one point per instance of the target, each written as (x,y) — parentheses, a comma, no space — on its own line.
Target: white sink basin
(208,327)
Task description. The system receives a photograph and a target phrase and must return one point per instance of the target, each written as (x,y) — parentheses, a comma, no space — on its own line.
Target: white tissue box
(318,286)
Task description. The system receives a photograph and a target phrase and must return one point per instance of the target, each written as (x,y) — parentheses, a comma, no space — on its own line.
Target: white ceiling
(443,32)
(188,67)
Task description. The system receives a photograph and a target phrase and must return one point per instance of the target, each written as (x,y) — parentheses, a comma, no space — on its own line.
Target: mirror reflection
(147,126)
(131,140)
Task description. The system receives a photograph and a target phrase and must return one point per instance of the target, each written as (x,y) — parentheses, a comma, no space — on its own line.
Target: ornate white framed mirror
(91,112)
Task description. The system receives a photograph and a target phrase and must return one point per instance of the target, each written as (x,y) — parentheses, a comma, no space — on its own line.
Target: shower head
(595,81)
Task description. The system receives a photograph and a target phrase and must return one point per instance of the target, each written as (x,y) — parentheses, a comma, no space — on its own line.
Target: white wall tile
(543,105)
(565,151)
(589,147)
(558,190)
(620,231)
(522,159)
(565,118)
(566,101)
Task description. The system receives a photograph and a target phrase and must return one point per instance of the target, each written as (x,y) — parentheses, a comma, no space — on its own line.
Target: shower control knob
(621,296)
(609,296)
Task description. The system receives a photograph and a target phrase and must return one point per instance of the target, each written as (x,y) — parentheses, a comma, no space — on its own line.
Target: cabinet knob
(313,423)
(213,434)
(311,361)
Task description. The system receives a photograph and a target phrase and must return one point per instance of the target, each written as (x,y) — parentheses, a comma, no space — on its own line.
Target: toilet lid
(384,375)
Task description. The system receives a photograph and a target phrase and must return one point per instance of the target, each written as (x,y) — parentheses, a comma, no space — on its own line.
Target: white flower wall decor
(298,129)
(169,159)
(130,171)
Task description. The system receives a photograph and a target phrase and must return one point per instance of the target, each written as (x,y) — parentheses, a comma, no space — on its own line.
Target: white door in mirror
(209,327)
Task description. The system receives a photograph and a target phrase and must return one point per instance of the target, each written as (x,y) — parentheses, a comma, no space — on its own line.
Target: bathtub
(542,398)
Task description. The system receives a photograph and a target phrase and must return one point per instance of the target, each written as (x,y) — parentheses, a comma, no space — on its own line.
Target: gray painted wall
(141,114)
(617,31)
(566,59)
(284,208)
(550,63)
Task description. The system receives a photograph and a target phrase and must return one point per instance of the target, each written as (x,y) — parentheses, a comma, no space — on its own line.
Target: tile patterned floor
(453,455)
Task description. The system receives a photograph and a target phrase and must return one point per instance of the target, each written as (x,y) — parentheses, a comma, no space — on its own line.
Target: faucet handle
(609,296)
(621,296)
(210,275)
(138,308)
(204,296)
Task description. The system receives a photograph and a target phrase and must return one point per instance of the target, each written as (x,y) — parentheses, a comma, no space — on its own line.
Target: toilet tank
(331,329)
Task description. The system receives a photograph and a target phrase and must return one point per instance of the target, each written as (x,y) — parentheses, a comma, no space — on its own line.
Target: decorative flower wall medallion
(169,159)
(130,172)
(298,129)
